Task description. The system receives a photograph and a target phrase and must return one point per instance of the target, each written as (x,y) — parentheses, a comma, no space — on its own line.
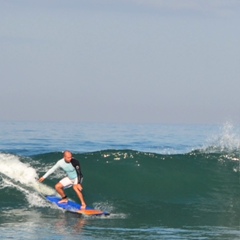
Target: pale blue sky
(123,61)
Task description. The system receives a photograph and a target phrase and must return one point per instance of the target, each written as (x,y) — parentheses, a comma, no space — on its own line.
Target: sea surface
(157,181)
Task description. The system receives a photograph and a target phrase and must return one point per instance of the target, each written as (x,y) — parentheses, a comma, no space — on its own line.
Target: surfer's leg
(80,195)
(60,189)
(64,183)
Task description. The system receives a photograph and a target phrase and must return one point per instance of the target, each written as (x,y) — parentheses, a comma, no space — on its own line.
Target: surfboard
(74,207)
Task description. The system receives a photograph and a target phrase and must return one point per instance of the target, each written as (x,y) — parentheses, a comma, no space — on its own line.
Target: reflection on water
(46,223)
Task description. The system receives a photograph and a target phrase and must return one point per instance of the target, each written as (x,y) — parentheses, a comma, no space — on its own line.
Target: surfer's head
(67,156)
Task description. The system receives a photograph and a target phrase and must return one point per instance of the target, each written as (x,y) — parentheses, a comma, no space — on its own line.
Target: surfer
(74,177)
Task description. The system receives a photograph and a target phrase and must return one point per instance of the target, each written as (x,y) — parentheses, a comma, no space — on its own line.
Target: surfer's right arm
(41,179)
(50,171)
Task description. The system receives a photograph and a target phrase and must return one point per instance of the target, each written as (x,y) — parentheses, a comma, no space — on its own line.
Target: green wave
(199,187)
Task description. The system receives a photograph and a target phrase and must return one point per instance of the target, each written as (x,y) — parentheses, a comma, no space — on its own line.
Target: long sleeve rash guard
(72,169)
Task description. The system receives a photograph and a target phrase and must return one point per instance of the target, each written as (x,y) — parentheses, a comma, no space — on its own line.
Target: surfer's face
(67,156)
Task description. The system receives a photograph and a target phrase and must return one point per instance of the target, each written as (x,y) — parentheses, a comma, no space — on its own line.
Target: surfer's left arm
(77,167)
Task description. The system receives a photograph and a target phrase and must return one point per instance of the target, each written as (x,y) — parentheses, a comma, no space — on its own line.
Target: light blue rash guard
(67,167)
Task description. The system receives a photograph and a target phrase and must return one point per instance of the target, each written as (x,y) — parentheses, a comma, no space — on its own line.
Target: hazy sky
(123,61)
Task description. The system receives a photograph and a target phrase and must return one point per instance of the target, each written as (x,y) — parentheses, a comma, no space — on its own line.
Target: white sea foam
(226,140)
(22,177)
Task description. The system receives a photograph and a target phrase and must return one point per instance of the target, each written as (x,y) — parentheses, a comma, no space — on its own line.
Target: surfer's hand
(80,188)
(41,179)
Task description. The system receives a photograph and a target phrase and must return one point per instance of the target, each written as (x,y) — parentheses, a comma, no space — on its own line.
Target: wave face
(196,188)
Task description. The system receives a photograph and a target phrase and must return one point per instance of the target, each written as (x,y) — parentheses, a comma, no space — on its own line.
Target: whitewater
(157,181)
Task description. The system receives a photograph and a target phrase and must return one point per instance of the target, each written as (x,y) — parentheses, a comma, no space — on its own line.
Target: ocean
(157,181)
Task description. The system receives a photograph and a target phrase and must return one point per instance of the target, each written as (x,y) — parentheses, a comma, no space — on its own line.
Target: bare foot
(65,200)
(83,207)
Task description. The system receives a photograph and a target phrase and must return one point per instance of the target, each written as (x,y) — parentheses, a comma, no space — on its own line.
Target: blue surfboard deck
(74,207)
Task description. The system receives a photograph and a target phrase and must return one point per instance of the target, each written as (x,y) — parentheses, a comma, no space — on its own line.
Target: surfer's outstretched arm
(50,171)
